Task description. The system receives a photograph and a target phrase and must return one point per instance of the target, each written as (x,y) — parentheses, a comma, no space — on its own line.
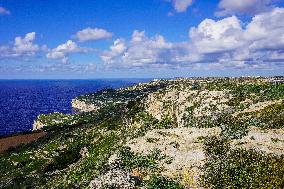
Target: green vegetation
(149,122)
(148,164)
(160,182)
(271,117)
(152,140)
(238,168)
(231,127)
(131,160)
(78,146)
(101,133)
(54,120)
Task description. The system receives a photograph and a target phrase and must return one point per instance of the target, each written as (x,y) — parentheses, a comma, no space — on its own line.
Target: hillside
(181,133)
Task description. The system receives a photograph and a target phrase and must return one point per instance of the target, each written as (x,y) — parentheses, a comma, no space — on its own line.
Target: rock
(183,145)
(84,152)
(116,178)
(37,125)
(83,106)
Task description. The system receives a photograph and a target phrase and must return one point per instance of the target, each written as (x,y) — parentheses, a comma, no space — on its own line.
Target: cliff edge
(179,133)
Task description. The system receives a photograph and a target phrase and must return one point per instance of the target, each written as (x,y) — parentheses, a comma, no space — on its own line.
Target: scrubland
(180,133)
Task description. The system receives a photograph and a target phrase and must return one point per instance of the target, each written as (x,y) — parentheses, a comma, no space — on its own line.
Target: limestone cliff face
(179,104)
(37,125)
(172,103)
(83,106)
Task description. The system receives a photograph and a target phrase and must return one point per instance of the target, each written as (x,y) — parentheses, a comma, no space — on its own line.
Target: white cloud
(22,47)
(62,51)
(216,36)
(258,42)
(222,43)
(266,30)
(69,68)
(143,51)
(4,11)
(181,5)
(251,7)
(139,51)
(89,34)
(116,50)
(25,46)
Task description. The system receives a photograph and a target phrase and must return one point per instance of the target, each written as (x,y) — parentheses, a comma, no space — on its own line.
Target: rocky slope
(182,133)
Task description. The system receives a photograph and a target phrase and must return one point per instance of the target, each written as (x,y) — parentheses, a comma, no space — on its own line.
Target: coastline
(173,123)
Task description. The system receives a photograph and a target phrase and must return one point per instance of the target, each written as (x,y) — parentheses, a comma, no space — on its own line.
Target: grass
(152,140)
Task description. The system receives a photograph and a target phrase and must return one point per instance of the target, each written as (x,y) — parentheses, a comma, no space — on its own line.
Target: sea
(21,101)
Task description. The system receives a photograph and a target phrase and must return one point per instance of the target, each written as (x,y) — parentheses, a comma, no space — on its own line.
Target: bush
(131,160)
(160,182)
(239,168)
(165,123)
(231,127)
(63,160)
(271,117)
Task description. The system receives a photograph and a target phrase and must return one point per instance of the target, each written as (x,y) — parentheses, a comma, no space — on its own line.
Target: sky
(71,39)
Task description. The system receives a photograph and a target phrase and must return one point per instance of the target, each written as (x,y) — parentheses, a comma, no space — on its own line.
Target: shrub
(238,168)
(165,123)
(131,160)
(160,182)
(231,127)
(271,117)
(64,159)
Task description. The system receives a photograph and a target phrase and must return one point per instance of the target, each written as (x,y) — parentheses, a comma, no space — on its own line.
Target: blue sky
(134,38)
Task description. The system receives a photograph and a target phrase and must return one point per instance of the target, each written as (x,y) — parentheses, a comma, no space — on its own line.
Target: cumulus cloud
(25,46)
(251,7)
(181,5)
(62,51)
(225,43)
(217,36)
(90,34)
(261,40)
(144,51)
(116,50)
(4,11)
(139,51)
(22,47)
(266,30)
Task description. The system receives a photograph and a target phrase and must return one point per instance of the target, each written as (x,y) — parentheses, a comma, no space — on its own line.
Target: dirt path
(13,141)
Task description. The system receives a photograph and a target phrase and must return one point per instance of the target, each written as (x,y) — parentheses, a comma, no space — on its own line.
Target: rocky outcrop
(184,146)
(264,140)
(82,106)
(115,177)
(182,103)
(170,103)
(37,125)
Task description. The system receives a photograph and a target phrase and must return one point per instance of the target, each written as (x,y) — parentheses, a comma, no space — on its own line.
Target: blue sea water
(21,101)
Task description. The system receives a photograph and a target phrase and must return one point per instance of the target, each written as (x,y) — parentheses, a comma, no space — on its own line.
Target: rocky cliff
(182,133)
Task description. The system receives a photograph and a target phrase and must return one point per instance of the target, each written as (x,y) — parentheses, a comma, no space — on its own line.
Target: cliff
(83,106)
(182,133)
